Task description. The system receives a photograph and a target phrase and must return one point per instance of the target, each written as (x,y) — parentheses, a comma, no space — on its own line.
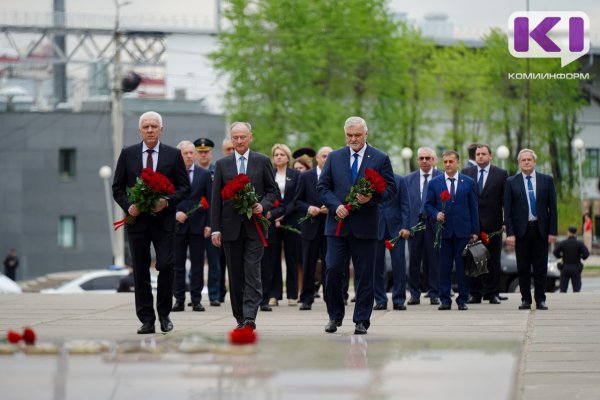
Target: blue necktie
(481,180)
(191,173)
(354,168)
(424,193)
(531,197)
(452,188)
(242,165)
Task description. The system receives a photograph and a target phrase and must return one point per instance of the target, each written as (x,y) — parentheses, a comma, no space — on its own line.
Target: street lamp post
(579,145)
(406,155)
(503,153)
(105,173)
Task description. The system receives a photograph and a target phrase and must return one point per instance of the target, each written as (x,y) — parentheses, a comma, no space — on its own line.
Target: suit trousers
(362,252)
(532,259)
(572,273)
(312,250)
(245,289)
(196,245)
(488,285)
(422,253)
(289,241)
(222,274)
(139,246)
(451,255)
(398,273)
(213,255)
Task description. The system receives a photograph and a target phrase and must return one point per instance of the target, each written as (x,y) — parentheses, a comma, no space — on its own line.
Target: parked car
(105,281)
(7,285)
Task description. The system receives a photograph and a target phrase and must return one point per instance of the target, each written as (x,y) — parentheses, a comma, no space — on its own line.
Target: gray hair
(150,114)
(246,124)
(324,148)
(184,143)
(354,121)
(527,151)
(428,149)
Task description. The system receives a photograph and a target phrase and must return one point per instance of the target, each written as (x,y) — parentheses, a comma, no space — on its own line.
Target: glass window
(66,163)
(66,231)
(591,164)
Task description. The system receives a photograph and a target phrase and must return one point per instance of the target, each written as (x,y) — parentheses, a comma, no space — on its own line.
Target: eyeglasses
(424,158)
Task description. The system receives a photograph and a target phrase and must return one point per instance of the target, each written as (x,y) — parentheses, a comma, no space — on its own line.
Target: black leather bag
(476,257)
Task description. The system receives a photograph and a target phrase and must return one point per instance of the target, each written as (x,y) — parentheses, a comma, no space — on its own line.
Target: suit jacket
(129,168)
(394,213)
(306,196)
(491,200)
(413,182)
(335,183)
(462,217)
(201,187)
(287,207)
(516,207)
(225,218)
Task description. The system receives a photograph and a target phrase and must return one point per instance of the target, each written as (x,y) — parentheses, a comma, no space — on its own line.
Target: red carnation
(204,202)
(276,204)
(348,207)
(245,335)
(445,196)
(13,337)
(29,336)
(389,245)
(378,184)
(484,238)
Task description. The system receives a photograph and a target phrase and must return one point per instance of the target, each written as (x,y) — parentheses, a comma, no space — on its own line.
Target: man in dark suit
(358,234)
(531,220)
(191,232)
(314,245)
(238,234)
(393,221)
(491,181)
(151,228)
(421,244)
(461,224)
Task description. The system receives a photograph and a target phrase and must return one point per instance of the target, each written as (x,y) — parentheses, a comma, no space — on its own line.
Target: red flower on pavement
(245,335)
(13,337)
(29,336)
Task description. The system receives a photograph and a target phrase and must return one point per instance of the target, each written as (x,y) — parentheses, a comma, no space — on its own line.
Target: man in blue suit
(358,235)
(460,222)
(531,220)
(393,221)
(421,244)
(191,232)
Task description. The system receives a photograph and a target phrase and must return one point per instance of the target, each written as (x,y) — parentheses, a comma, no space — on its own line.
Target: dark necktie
(531,197)
(424,192)
(452,188)
(481,180)
(354,167)
(242,165)
(149,160)
(191,172)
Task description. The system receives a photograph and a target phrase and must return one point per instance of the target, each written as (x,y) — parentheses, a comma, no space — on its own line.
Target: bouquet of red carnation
(372,182)
(147,191)
(444,197)
(485,237)
(390,243)
(242,193)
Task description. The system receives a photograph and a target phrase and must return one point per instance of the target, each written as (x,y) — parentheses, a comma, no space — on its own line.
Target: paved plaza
(487,352)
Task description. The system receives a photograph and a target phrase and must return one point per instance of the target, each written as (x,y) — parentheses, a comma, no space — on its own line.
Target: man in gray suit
(238,234)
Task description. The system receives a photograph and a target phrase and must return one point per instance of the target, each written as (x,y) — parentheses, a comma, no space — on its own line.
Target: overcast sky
(460,12)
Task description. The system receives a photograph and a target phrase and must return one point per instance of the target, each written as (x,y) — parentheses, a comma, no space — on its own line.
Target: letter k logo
(539,34)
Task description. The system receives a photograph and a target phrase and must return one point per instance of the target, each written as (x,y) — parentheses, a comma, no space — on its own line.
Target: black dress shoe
(434,300)
(474,300)
(332,326)
(146,328)
(503,298)
(400,307)
(198,307)
(495,300)
(541,305)
(444,307)
(265,307)
(380,307)
(240,325)
(165,324)
(525,306)
(413,302)
(190,304)
(360,329)
(178,306)
(249,322)
(305,306)
(317,296)
(214,303)
(463,307)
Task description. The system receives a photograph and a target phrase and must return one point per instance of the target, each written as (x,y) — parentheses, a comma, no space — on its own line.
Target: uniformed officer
(572,251)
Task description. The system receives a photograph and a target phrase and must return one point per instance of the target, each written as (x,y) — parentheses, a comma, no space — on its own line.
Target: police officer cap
(204,144)
(304,151)
(572,229)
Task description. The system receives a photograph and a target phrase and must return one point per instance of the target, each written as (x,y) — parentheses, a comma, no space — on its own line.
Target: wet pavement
(489,351)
